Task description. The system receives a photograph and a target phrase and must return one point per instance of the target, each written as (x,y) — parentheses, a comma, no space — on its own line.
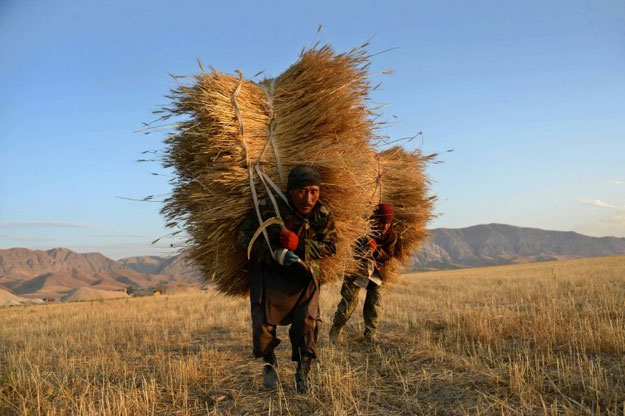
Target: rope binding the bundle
(264,178)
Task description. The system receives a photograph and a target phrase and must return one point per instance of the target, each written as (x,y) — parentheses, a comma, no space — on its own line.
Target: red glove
(373,244)
(289,240)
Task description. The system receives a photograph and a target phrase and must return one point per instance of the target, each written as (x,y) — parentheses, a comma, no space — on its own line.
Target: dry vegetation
(404,184)
(530,339)
(317,115)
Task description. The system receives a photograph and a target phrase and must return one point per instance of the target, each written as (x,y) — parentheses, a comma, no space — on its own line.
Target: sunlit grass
(546,338)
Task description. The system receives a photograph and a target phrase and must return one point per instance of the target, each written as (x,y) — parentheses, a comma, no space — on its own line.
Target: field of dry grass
(544,338)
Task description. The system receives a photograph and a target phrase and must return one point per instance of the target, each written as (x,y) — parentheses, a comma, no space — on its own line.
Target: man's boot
(270,377)
(335,334)
(302,375)
(369,337)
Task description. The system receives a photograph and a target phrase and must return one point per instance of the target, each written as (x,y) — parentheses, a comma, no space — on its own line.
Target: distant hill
(168,266)
(495,244)
(59,272)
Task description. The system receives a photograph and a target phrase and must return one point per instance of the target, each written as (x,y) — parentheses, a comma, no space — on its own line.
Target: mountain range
(497,244)
(57,272)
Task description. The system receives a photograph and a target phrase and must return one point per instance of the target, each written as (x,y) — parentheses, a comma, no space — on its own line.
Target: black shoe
(369,338)
(270,377)
(302,377)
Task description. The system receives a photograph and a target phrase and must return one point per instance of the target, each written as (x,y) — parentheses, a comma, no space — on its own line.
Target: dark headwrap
(301,176)
(384,212)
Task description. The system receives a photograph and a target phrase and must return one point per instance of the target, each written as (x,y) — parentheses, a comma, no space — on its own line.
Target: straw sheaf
(406,186)
(321,120)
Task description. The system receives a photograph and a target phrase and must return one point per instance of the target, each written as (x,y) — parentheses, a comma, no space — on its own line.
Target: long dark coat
(281,295)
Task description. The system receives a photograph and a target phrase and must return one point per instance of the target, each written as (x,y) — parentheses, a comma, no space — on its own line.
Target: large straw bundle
(317,112)
(405,185)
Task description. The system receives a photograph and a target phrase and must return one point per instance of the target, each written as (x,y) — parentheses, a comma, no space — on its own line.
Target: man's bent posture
(374,253)
(285,278)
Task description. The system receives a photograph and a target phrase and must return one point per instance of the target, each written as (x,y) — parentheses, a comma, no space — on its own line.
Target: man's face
(305,198)
(381,226)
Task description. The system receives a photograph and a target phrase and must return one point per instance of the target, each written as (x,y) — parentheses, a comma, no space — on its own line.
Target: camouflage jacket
(388,246)
(316,232)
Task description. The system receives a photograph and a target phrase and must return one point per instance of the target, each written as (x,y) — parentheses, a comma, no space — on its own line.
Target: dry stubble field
(546,338)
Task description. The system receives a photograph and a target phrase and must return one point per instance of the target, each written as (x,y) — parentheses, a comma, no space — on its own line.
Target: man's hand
(285,257)
(289,240)
(290,258)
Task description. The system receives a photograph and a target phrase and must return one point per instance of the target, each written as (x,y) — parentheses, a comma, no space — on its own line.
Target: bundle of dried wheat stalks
(313,114)
(405,185)
(233,129)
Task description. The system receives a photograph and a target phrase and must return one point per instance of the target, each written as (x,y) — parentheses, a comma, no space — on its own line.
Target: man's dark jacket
(283,295)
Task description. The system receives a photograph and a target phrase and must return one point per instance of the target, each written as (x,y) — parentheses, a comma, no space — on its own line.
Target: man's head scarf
(301,176)
(384,212)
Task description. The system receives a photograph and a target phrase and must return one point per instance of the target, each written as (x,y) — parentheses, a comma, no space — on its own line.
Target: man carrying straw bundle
(285,272)
(374,252)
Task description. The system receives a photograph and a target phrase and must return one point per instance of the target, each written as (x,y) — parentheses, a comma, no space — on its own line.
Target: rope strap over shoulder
(272,128)
(250,170)
(264,178)
(378,182)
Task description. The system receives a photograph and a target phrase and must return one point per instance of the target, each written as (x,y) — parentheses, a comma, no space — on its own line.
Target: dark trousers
(265,340)
(281,299)
(349,300)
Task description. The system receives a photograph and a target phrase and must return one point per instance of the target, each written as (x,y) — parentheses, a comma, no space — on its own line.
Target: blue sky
(529,95)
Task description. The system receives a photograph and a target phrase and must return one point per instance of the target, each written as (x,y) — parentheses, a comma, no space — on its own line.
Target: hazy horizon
(169,252)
